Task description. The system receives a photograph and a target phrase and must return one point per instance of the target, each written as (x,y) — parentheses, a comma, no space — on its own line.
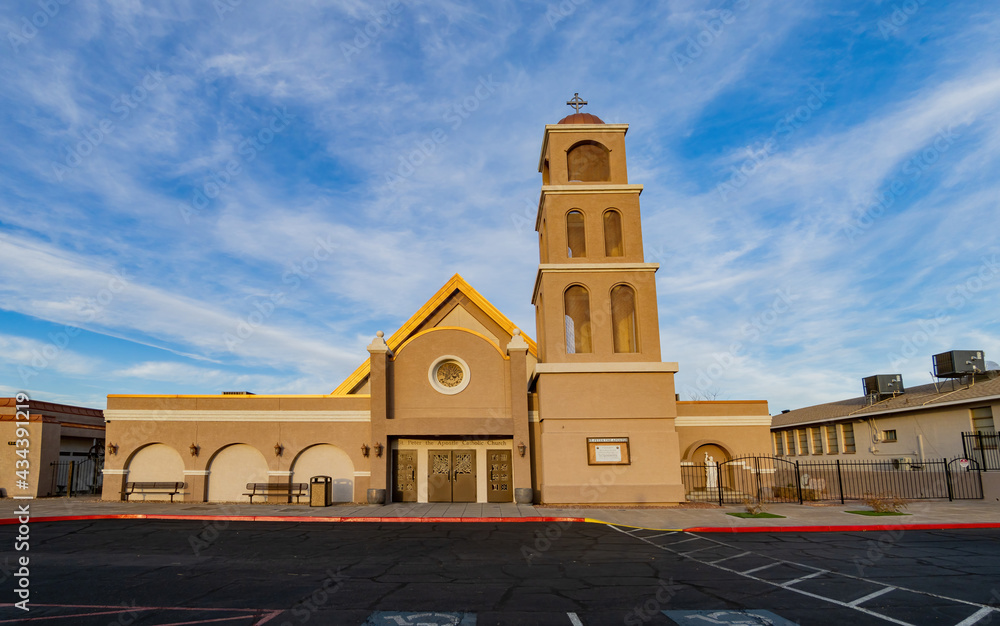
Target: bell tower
(594,296)
(599,373)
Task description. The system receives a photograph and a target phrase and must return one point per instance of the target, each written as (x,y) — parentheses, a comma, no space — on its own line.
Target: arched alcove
(715,451)
(156,462)
(231,469)
(326,460)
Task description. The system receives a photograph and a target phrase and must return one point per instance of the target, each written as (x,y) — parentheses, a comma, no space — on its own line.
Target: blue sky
(199,196)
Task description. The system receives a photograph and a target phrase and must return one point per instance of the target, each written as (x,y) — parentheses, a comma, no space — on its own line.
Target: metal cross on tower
(576,102)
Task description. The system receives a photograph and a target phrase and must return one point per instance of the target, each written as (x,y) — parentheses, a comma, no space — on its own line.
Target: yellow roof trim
(455,283)
(458,328)
(228,397)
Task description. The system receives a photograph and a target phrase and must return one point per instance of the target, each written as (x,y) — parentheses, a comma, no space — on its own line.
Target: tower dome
(581,118)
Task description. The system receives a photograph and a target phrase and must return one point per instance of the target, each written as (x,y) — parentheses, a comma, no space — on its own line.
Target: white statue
(711,472)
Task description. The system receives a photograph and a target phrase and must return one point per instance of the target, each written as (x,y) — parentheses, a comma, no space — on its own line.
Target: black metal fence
(982,447)
(774,479)
(78,476)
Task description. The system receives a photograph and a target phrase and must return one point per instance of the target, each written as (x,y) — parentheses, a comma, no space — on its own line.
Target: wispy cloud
(411,155)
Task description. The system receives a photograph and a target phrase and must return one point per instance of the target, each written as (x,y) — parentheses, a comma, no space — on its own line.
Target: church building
(459,405)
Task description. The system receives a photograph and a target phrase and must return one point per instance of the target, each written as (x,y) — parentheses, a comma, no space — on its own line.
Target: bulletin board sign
(608,451)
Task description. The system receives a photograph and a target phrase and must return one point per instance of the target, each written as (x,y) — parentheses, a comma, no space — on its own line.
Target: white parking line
(698,550)
(762,567)
(673,532)
(975,617)
(735,556)
(983,611)
(573,619)
(806,577)
(870,596)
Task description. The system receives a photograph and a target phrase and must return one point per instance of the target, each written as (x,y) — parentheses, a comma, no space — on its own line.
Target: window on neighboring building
(982,423)
(982,420)
(613,233)
(831,439)
(848,432)
(817,437)
(623,319)
(790,441)
(779,444)
(577,303)
(803,441)
(576,235)
(889,436)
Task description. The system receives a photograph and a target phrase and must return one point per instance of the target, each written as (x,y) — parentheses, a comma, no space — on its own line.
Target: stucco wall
(636,405)
(739,428)
(214,423)
(652,476)
(414,396)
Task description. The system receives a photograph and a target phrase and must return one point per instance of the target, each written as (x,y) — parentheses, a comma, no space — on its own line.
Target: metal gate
(965,479)
(760,478)
(982,446)
(773,479)
(77,477)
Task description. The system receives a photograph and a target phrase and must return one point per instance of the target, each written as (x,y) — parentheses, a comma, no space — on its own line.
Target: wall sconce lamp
(277,449)
(364,450)
(194,449)
(521,448)
(378,449)
(113,448)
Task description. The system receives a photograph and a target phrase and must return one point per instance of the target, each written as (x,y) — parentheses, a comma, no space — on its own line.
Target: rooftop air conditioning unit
(883,385)
(958,363)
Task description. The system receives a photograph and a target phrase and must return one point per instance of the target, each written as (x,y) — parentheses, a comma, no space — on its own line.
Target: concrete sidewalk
(929,514)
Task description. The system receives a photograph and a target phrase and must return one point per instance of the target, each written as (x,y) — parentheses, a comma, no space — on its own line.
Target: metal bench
(276,489)
(153,487)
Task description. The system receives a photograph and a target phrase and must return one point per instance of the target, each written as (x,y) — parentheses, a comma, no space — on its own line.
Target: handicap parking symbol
(415,618)
(732,618)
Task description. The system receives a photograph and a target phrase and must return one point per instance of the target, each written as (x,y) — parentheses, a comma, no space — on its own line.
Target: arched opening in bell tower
(577,308)
(588,161)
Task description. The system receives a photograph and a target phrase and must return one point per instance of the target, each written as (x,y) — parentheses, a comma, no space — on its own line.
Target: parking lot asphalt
(925,514)
(222,571)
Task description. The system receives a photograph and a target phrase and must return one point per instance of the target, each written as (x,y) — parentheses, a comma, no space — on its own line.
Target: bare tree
(712,393)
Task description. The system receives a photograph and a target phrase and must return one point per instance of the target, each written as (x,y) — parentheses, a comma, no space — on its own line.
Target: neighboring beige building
(54,432)
(458,404)
(924,422)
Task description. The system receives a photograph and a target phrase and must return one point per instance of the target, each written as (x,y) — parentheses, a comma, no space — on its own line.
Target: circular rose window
(449,375)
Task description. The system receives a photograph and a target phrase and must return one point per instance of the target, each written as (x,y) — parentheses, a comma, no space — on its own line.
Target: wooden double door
(451,476)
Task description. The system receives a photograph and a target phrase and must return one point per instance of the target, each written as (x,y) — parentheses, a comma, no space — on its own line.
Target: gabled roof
(456,292)
(915,398)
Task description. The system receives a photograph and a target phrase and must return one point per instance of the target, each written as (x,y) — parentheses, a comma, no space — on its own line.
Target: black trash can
(320,491)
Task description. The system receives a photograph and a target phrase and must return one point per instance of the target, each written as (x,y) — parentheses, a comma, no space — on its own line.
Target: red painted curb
(496,520)
(289,518)
(830,529)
